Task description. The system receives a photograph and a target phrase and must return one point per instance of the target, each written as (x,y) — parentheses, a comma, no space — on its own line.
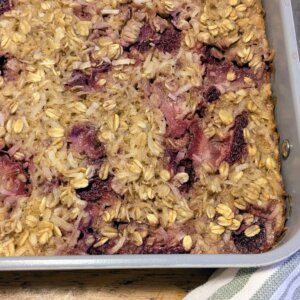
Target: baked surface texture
(141,126)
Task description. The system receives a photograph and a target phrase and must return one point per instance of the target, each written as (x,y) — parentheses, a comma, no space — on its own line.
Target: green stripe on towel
(271,285)
(233,287)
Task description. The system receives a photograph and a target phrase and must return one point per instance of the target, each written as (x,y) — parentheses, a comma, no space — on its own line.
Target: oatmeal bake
(137,126)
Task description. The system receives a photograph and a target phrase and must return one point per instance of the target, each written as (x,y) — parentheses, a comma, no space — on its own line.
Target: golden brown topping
(99,104)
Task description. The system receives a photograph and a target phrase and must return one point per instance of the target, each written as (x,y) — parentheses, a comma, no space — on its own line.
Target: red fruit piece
(146,36)
(14,180)
(87,80)
(97,191)
(3,62)
(212,94)
(253,244)
(186,166)
(5,5)
(83,139)
(169,41)
(238,144)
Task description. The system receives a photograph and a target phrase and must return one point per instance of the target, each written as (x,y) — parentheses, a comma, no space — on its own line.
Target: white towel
(277,282)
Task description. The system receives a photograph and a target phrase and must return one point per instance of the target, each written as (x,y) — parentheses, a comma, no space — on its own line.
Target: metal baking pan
(286,85)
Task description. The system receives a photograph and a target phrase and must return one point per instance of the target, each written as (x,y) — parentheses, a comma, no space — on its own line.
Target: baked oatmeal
(137,126)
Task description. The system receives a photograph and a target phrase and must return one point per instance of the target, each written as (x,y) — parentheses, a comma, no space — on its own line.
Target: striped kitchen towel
(279,281)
